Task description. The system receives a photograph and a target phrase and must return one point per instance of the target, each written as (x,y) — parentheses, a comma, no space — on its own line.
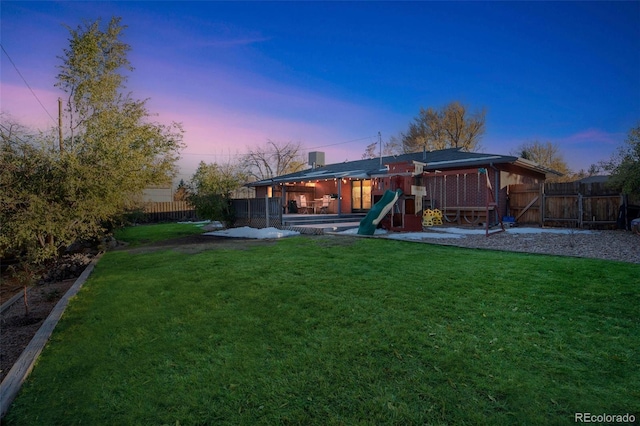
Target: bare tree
(274,159)
(450,127)
(547,155)
(463,129)
(392,147)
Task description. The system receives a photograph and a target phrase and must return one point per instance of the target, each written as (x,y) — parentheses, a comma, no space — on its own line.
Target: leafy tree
(90,72)
(46,201)
(450,127)
(116,138)
(210,190)
(118,148)
(547,155)
(31,196)
(51,198)
(274,159)
(624,166)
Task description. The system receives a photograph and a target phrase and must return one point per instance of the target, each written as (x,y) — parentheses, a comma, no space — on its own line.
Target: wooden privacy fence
(168,211)
(565,204)
(258,212)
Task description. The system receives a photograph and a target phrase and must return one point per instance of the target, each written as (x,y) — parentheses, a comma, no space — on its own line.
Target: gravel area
(622,246)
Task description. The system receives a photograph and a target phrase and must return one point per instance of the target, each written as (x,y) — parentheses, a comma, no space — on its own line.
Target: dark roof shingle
(441,159)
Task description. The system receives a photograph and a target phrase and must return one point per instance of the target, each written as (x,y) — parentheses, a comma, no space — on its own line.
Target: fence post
(580,210)
(543,203)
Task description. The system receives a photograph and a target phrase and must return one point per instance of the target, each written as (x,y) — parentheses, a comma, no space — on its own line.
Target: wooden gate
(524,202)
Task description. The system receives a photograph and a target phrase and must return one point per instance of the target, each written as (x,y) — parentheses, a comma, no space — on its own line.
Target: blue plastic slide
(380,209)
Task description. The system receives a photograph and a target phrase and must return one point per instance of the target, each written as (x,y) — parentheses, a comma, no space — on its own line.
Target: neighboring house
(594,179)
(451,180)
(243,192)
(158,193)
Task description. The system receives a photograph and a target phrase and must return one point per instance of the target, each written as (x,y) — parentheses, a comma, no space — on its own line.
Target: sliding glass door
(360,195)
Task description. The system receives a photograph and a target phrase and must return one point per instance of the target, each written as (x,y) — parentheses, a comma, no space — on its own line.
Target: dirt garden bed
(20,323)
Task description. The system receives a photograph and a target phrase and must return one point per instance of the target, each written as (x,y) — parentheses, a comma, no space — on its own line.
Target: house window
(360,195)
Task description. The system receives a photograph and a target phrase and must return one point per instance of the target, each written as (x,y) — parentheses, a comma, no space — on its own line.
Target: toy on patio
(431,217)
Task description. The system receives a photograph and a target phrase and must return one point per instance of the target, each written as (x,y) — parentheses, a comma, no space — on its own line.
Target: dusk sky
(331,75)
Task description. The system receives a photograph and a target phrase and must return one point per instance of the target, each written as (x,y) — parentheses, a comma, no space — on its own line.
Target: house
(461,184)
(158,193)
(594,179)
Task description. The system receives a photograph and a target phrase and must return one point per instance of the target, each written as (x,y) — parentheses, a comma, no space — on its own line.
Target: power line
(13,136)
(25,82)
(341,143)
(206,155)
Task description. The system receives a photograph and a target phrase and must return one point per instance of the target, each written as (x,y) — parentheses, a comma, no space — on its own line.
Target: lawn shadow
(194,244)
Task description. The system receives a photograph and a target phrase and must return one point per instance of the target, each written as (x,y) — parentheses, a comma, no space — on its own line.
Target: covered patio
(320,192)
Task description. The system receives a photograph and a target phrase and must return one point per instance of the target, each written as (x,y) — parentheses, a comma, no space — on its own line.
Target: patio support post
(339,197)
(496,190)
(284,201)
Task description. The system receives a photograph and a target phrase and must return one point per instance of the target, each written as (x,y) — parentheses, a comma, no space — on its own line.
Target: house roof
(436,160)
(594,179)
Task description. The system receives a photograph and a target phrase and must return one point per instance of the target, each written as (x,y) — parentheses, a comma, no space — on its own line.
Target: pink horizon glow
(224,132)
(217,133)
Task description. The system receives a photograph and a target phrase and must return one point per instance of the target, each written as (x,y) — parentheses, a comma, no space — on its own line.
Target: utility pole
(380,142)
(60,124)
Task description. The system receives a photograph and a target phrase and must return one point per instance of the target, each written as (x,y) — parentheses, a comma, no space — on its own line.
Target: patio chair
(302,204)
(326,200)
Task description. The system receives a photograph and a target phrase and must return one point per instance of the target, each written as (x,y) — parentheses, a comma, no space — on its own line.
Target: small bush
(214,207)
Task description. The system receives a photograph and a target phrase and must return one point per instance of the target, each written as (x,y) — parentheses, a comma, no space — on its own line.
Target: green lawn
(337,330)
(144,234)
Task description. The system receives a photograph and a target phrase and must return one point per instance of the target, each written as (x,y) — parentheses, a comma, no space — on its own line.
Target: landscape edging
(6,305)
(13,381)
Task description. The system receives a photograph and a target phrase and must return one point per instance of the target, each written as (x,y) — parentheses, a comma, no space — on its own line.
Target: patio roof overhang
(535,166)
(491,160)
(313,176)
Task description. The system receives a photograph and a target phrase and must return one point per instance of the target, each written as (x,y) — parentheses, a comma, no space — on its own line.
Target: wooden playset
(462,197)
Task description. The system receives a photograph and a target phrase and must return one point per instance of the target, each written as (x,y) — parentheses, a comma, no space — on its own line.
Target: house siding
(158,194)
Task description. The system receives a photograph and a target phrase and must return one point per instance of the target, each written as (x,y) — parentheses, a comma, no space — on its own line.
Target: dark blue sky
(334,74)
